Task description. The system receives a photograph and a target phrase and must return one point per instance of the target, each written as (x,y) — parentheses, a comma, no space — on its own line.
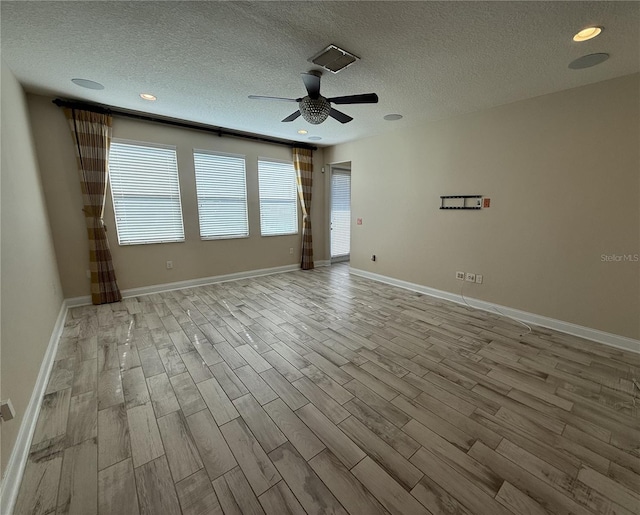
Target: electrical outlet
(169,265)
(6,410)
(470,277)
(88,274)
(478,279)
(460,276)
(291,250)
(373,257)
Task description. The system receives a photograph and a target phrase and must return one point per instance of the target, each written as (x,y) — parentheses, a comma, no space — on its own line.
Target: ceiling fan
(315,108)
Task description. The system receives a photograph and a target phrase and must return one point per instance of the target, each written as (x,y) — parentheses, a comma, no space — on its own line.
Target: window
(278,198)
(221,187)
(145,193)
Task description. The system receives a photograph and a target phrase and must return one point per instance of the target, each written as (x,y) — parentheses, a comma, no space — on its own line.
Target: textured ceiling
(425,60)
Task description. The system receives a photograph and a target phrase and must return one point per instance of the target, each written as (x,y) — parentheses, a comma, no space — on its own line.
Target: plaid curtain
(303,163)
(91,137)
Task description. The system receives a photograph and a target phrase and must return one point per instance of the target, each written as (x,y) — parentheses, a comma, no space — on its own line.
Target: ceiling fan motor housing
(314,110)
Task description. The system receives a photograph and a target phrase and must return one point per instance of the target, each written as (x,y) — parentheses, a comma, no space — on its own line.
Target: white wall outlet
(88,274)
(460,276)
(478,278)
(470,277)
(169,265)
(291,250)
(6,410)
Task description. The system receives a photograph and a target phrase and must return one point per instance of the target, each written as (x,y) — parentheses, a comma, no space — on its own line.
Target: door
(340,214)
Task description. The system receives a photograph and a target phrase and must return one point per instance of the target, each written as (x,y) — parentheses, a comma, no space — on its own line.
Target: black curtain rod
(96,108)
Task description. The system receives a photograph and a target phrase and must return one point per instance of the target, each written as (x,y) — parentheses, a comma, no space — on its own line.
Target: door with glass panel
(340,214)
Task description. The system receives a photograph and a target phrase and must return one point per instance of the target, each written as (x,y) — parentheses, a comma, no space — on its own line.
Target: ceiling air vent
(334,59)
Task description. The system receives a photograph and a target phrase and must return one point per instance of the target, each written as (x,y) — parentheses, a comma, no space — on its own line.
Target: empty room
(320,257)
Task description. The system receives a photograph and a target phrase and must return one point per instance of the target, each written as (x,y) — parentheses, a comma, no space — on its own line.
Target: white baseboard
(157,288)
(190,283)
(613,340)
(20,453)
(73,302)
(322,262)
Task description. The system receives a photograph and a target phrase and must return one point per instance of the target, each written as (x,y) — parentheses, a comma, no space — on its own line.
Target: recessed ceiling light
(587,33)
(148,96)
(302,131)
(86,83)
(315,138)
(392,117)
(587,61)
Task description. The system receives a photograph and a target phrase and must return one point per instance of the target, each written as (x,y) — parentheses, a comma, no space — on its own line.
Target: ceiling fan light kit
(315,110)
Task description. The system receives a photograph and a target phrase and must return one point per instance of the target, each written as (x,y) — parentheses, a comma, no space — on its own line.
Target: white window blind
(340,213)
(278,198)
(145,193)
(221,187)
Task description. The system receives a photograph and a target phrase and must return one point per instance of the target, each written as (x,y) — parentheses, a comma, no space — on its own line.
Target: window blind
(340,213)
(278,198)
(145,193)
(221,187)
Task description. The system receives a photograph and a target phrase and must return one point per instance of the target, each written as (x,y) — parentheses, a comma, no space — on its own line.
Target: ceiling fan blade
(312,83)
(366,98)
(258,97)
(340,116)
(292,117)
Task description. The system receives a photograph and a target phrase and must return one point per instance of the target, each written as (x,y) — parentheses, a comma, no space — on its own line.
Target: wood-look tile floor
(320,392)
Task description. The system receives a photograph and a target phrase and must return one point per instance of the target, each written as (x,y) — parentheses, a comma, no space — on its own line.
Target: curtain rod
(96,108)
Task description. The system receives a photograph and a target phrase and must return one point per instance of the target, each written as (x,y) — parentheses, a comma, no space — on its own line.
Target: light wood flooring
(324,393)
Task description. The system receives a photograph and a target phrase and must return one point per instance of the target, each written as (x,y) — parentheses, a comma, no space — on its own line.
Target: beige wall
(145,265)
(562,172)
(31,290)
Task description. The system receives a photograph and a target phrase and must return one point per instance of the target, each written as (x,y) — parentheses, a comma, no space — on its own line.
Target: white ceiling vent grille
(334,59)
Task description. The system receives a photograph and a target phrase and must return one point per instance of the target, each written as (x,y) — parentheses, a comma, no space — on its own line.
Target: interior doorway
(340,227)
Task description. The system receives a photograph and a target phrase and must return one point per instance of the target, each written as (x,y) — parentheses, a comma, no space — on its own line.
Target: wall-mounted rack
(465,201)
